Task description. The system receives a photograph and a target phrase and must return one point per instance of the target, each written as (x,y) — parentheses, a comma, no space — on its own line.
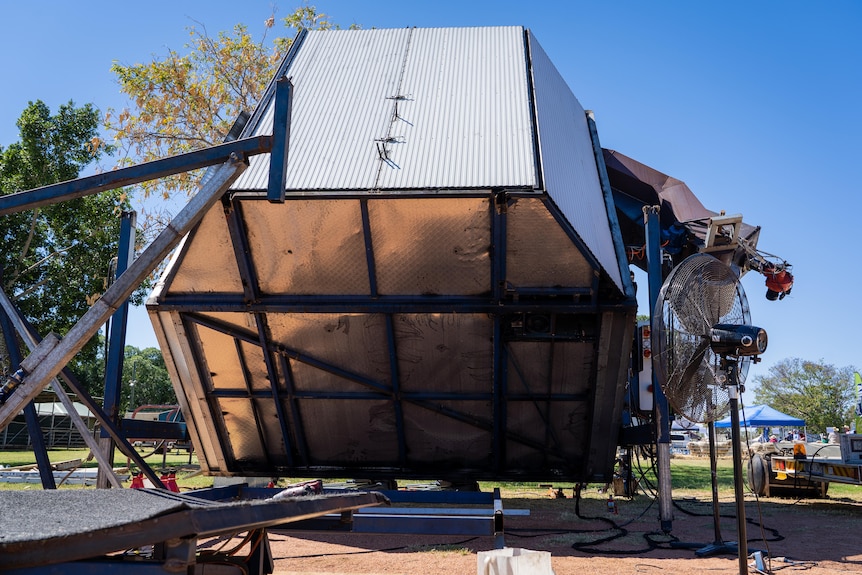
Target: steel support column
(117,343)
(660,406)
(280,140)
(498,211)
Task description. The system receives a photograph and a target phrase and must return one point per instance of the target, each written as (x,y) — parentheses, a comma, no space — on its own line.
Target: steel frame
(49,357)
(504,302)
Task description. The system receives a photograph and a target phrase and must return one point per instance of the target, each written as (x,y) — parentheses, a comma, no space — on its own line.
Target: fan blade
(695,363)
(679,385)
(700,292)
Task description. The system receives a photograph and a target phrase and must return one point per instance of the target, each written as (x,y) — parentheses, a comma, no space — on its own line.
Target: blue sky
(755,105)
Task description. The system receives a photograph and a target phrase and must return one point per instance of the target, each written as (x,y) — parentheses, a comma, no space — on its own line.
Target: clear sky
(755,105)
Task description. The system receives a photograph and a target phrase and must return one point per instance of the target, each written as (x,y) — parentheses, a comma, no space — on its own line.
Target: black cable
(777,536)
(652,542)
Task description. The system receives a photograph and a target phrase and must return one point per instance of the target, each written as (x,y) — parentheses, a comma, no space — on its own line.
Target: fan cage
(698,294)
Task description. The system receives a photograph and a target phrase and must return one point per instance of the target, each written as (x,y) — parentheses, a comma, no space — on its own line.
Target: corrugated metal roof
(568,161)
(445,107)
(465,120)
(438,108)
(341,80)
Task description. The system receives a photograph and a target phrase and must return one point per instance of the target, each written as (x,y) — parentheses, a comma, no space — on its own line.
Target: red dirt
(820,537)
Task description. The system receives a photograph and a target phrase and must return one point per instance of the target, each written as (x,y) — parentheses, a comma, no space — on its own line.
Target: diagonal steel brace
(20,326)
(52,354)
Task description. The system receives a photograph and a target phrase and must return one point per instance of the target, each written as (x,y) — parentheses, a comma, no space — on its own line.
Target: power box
(851,448)
(644,375)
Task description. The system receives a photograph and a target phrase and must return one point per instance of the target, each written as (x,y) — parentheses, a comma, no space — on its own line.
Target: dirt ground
(818,536)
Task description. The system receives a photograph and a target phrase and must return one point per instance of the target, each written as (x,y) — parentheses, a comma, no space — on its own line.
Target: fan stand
(736,439)
(719,546)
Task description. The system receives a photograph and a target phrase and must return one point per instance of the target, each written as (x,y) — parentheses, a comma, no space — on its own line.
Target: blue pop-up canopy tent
(763,416)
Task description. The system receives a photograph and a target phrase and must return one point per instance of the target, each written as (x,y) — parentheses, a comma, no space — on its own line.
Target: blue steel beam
(242,250)
(405,396)
(280,140)
(498,207)
(251,291)
(197,355)
(117,332)
(498,402)
(136,174)
(661,409)
(272,372)
(380,304)
(369,248)
(397,394)
(143,429)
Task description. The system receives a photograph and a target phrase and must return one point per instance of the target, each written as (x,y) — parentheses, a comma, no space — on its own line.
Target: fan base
(718,548)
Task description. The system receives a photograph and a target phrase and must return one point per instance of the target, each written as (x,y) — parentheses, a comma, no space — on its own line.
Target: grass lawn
(690,476)
(187,474)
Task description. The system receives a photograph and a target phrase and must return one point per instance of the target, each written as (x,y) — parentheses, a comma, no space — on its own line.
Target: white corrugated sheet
(568,162)
(465,119)
(438,108)
(462,120)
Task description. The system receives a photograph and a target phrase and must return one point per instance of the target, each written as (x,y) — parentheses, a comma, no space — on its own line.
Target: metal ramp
(73,531)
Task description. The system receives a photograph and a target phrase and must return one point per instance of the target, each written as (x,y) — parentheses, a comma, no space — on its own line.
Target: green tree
(144,371)
(55,260)
(152,384)
(819,393)
(190,99)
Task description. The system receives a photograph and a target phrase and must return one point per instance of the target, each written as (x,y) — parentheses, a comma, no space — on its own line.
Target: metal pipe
(660,406)
(63,191)
(713,470)
(738,485)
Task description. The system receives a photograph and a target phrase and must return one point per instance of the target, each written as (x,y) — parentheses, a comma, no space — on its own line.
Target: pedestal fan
(702,346)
